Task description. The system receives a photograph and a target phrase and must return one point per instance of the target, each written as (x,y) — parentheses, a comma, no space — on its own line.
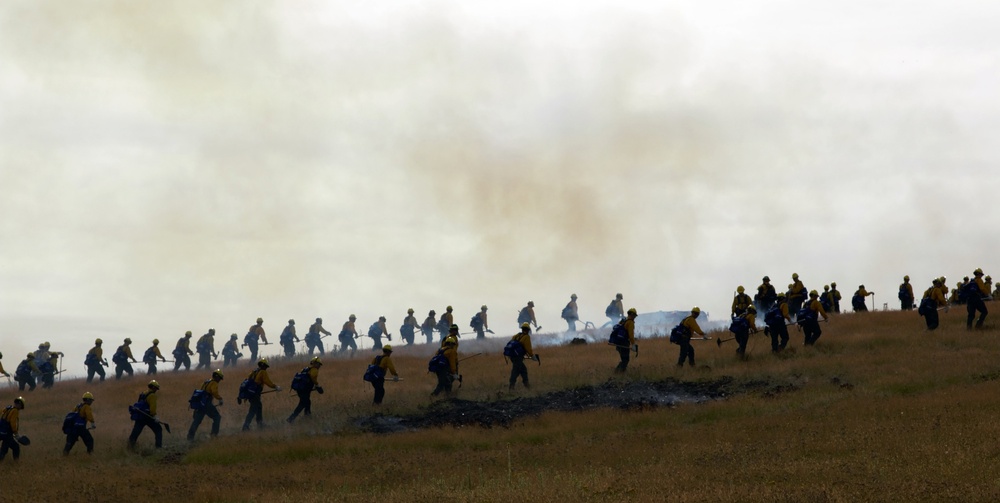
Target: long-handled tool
(60,367)
(162,423)
(467,357)
(634,347)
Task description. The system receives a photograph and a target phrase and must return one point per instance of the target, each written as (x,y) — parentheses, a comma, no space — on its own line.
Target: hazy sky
(187,164)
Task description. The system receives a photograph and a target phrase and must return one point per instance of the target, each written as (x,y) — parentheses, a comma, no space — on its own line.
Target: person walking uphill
(95,361)
(409,326)
(9,424)
(480,323)
(809,318)
(347,335)
(858,301)
(202,404)
(75,427)
(932,300)
(376,331)
(25,373)
(150,356)
(182,352)
(231,351)
(527,314)
(776,328)
(121,359)
(253,337)
(905,294)
(688,327)
(976,291)
(427,327)
(287,339)
(259,379)
(205,347)
(377,370)
(571,314)
(303,385)
(313,338)
(623,349)
(445,366)
(517,350)
(143,413)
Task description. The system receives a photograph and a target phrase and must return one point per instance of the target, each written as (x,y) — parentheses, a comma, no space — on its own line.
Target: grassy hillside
(879,410)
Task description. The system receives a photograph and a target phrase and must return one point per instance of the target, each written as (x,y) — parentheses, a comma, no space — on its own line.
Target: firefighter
(446,321)
(615,311)
(690,327)
(409,327)
(254,335)
(287,339)
(304,390)
(810,323)
(121,359)
(932,300)
(210,390)
(150,356)
(143,413)
(527,315)
(858,301)
(427,327)
(313,338)
(260,378)
(95,361)
(741,302)
(835,296)
(766,296)
(776,327)
(384,363)
(79,430)
(347,335)
(480,323)
(182,352)
(520,351)
(975,293)
(231,351)
(25,373)
(447,373)
(452,337)
(376,331)
(623,351)
(205,347)
(9,425)
(2,371)
(796,294)
(571,314)
(905,294)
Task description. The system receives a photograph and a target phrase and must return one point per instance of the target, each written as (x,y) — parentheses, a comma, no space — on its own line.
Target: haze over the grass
(190,165)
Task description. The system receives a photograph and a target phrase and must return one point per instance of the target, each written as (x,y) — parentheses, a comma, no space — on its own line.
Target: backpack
(120,357)
(200,398)
(514,349)
(286,337)
(251,337)
(740,325)
(524,316)
(824,301)
(442,325)
(971,291)
(140,409)
(678,333)
(903,294)
(567,312)
(612,310)
(249,387)
(857,302)
(73,420)
(438,363)
(301,381)
(619,336)
(90,360)
(774,317)
(201,346)
(927,305)
(47,368)
(805,315)
(150,355)
(5,429)
(23,370)
(476,322)
(374,331)
(374,372)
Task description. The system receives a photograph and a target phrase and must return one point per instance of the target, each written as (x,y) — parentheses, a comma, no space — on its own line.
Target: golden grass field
(879,410)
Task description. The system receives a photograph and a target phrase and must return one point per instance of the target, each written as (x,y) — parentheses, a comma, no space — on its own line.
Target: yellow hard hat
(19,400)
(31,355)
(153,384)
(352,317)
(387,348)
(694,309)
(188,333)
(573,296)
(218,373)
(233,337)
(978,272)
(795,275)
(88,396)
(740,289)
(619,296)
(813,293)
(98,341)
(316,361)
(156,341)
(260,320)
(826,287)
(531,303)
(263,363)
(906,278)
(834,284)
(46,344)
(448,308)
(632,310)
(526,325)
(128,340)
(410,310)
(483,308)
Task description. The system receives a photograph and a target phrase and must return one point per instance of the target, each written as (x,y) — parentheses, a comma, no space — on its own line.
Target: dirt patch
(612,394)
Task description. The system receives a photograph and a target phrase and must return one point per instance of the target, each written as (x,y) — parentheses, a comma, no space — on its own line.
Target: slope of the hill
(879,410)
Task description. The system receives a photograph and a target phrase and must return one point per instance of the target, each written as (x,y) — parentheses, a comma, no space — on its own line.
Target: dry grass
(880,410)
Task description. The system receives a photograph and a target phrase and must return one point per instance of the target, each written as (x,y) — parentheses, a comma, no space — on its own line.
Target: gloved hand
(395,378)
(220,402)
(156,420)
(239,401)
(93,426)
(319,389)
(455,377)
(277,388)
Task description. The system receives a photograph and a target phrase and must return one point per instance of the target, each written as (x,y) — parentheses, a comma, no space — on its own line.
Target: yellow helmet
(573,296)
(483,307)
(187,334)
(619,296)
(695,309)
(233,337)
(833,284)
(632,310)
(156,341)
(88,396)
(31,355)
(740,289)
(906,278)
(826,287)
(218,373)
(409,311)
(260,320)
(447,308)
(19,400)
(525,325)
(128,340)
(352,317)
(316,361)
(813,293)
(262,363)
(978,272)
(795,275)
(46,343)
(98,341)
(531,303)
(387,348)
(153,384)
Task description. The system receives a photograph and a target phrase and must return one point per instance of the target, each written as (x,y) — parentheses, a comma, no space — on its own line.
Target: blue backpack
(91,359)
(301,380)
(251,337)
(374,372)
(678,333)
(249,387)
(374,331)
(200,398)
(120,357)
(140,409)
(612,310)
(476,322)
(774,317)
(805,315)
(619,336)
(150,355)
(73,421)
(740,325)
(514,349)
(438,363)
(524,316)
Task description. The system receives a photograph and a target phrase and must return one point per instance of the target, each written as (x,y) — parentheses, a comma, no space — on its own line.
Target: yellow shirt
(740,302)
(692,325)
(385,363)
(525,340)
(212,387)
(85,412)
(11,413)
(97,351)
(151,400)
(184,344)
(935,294)
(260,377)
(816,306)
(452,355)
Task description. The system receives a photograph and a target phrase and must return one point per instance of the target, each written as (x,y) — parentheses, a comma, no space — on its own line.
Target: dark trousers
(304,406)
(570,324)
(95,369)
(779,336)
(429,334)
(444,382)
(81,433)
(183,359)
(314,344)
(794,304)
(141,423)
(906,304)
(623,354)
(812,331)
(151,368)
(347,341)
(25,381)
(519,369)
(48,379)
(379,385)
(8,442)
(377,343)
(480,333)
(741,339)
(229,360)
(252,347)
(931,317)
(204,360)
(687,352)
(976,304)
(212,413)
(289,348)
(256,412)
(121,368)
